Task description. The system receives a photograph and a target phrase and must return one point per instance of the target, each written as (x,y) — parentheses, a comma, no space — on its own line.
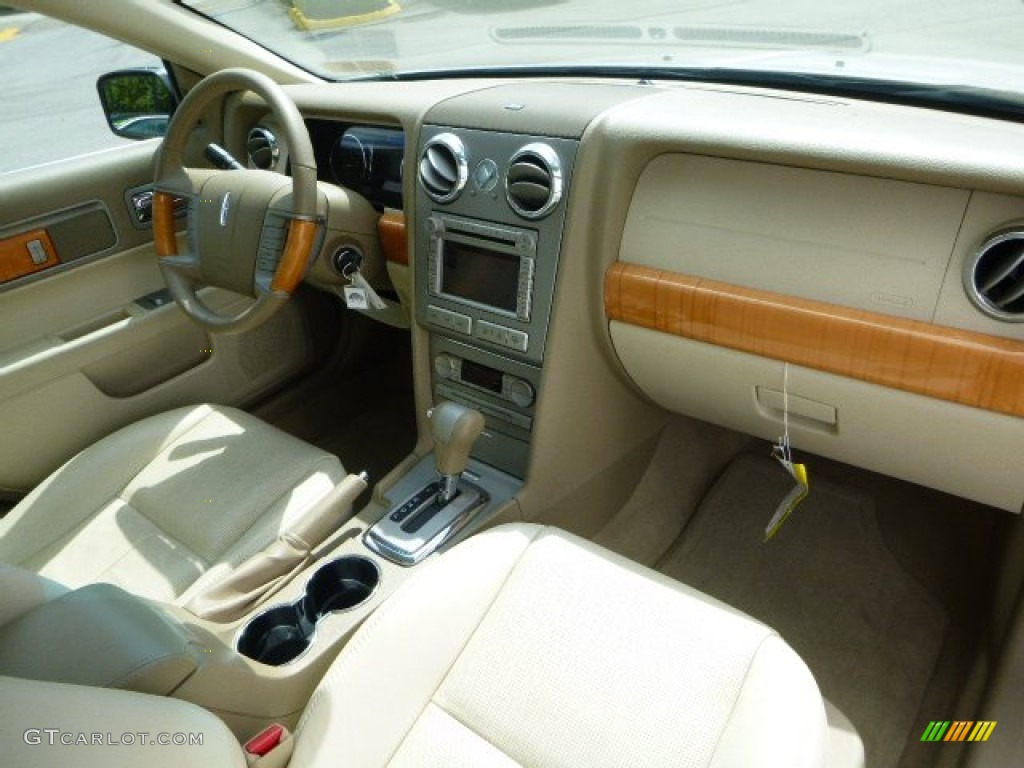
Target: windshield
(959,45)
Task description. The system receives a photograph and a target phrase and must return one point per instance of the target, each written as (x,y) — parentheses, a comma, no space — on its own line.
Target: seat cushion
(529,646)
(168,504)
(52,724)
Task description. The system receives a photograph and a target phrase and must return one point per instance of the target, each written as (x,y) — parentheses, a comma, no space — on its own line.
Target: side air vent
(533,183)
(994,277)
(262,148)
(443,167)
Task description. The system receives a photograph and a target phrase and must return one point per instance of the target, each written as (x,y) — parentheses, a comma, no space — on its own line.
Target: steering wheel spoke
(185,264)
(228,211)
(185,182)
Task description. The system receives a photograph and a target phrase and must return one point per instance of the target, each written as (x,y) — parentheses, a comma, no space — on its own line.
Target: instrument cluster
(364,158)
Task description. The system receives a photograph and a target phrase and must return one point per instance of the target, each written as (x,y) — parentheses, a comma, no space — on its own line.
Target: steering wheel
(250,231)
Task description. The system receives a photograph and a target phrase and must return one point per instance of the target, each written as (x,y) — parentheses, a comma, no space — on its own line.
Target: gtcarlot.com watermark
(56,737)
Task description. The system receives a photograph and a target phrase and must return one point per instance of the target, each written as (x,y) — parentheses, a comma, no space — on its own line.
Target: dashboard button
(452,321)
(496,334)
(462,323)
(502,336)
(518,340)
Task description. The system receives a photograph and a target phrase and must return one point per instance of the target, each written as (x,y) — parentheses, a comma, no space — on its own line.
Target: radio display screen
(479,275)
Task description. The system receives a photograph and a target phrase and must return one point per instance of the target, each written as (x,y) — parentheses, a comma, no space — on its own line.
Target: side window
(51,110)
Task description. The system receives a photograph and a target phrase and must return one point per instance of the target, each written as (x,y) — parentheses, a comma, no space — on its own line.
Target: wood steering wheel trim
(297,248)
(164,238)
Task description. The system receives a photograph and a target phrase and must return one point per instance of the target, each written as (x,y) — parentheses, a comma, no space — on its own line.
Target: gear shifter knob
(455,428)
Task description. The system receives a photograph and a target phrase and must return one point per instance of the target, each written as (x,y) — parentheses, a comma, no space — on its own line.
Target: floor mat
(827,583)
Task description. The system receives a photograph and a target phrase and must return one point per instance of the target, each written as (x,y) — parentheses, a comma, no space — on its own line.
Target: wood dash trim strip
(945,363)
(391,230)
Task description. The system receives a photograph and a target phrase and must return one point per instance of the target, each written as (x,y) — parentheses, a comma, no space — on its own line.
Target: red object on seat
(265,740)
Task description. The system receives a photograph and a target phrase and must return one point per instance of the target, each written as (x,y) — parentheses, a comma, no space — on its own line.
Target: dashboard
(585,257)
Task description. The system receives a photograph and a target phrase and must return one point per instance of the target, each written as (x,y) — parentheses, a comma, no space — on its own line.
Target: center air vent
(994,277)
(533,184)
(262,148)
(443,167)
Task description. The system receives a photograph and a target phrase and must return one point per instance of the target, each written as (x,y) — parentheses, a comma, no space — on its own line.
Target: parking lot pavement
(50,107)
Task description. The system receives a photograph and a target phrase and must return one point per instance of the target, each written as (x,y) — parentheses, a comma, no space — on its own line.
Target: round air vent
(443,167)
(994,277)
(262,147)
(533,183)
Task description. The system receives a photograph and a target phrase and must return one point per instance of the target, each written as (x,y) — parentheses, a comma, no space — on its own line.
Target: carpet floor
(870,632)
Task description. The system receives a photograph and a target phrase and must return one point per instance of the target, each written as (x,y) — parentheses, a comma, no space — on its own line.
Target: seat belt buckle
(270,748)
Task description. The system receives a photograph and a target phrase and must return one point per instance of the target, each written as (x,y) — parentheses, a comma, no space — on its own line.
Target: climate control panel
(515,390)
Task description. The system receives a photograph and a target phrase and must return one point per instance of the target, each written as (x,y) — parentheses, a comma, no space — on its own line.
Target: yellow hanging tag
(782,453)
(796,494)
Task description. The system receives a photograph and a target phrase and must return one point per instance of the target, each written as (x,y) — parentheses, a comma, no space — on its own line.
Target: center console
(489,214)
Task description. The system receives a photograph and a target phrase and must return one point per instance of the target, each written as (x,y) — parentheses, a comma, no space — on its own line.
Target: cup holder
(281,634)
(339,585)
(276,636)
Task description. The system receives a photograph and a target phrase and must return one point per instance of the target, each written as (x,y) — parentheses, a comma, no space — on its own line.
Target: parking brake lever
(272,567)
(221,158)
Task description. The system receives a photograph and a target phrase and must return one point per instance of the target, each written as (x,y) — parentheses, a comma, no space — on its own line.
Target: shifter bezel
(394,536)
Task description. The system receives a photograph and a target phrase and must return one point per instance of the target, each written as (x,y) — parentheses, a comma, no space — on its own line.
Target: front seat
(522,646)
(167,505)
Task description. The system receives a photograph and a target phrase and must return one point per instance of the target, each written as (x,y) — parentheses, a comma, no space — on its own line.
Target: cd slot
(504,243)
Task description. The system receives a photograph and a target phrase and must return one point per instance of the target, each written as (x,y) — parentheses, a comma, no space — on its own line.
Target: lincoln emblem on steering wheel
(225,209)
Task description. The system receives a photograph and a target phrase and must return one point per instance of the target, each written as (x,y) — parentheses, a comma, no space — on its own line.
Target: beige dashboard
(818,246)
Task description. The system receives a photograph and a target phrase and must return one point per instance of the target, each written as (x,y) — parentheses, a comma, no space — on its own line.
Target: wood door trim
(17,259)
(946,363)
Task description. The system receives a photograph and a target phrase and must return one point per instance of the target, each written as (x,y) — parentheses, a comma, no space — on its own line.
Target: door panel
(88,341)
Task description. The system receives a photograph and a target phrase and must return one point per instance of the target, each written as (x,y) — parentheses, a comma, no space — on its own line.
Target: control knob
(446,367)
(520,392)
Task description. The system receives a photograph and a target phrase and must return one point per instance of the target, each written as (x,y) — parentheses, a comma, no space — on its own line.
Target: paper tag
(355,298)
(790,501)
(370,296)
(784,455)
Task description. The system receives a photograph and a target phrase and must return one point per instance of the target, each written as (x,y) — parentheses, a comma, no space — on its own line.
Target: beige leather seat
(522,646)
(168,504)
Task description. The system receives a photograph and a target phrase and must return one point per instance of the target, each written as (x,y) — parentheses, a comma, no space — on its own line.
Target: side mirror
(138,103)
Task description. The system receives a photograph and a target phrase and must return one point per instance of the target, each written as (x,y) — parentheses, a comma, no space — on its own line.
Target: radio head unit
(485,265)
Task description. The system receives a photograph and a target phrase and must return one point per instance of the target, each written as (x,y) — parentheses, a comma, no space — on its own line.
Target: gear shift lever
(455,428)
(433,512)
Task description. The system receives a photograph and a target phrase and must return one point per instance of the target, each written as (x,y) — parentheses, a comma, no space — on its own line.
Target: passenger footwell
(870,633)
